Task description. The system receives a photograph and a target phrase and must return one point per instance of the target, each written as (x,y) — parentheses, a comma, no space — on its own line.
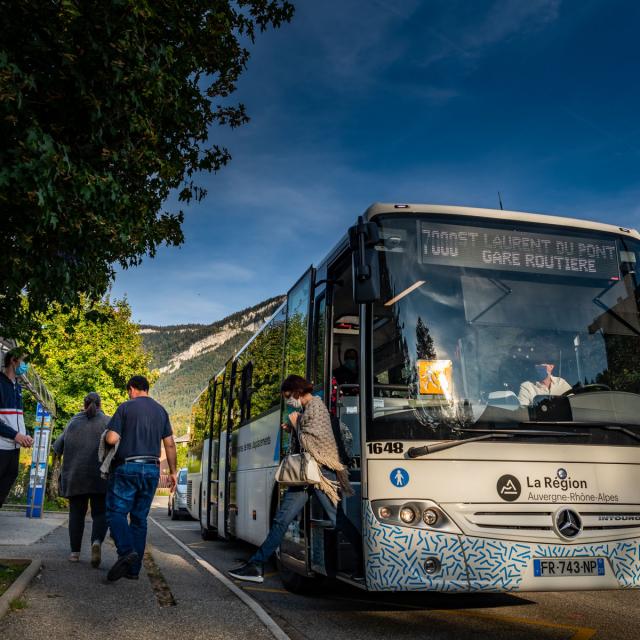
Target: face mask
(22,368)
(294,403)
(351,364)
(541,372)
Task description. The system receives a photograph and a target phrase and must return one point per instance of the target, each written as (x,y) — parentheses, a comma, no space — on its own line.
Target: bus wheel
(295,583)
(207,534)
(174,514)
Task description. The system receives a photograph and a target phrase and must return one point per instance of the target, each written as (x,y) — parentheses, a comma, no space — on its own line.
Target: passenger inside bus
(346,332)
(543,382)
(348,371)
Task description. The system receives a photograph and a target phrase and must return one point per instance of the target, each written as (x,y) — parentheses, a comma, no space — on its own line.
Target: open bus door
(294,557)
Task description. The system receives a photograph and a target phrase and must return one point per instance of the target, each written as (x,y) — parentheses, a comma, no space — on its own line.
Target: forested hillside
(188,355)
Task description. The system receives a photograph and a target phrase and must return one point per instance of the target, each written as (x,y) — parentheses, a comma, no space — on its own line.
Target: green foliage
(17,604)
(106,108)
(9,573)
(176,391)
(265,353)
(425,349)
(295,360)
(623,356)
(93,347)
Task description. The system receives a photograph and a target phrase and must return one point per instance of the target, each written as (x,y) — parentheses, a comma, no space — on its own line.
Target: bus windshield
(486,324)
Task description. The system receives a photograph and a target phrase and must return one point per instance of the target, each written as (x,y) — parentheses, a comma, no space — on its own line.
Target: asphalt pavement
(179,595)
(74,601)
(342,612)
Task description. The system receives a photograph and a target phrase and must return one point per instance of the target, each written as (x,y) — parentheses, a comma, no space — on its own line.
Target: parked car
(178,499)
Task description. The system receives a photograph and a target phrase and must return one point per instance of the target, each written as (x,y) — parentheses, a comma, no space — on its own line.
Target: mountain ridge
(187,356)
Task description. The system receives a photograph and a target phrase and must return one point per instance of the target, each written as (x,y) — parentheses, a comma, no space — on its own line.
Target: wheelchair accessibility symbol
(399,477)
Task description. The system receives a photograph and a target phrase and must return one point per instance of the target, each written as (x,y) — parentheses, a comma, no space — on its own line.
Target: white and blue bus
(494,413)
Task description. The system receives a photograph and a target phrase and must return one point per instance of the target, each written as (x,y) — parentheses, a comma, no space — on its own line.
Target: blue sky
(443,102)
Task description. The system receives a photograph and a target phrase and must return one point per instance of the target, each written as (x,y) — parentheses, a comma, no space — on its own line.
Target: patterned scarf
(316,437)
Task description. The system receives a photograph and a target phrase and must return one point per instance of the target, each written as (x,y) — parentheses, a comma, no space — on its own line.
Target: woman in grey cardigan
(311,424)
(81,481)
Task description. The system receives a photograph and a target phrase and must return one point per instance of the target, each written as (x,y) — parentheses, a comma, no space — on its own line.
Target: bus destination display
(506,250)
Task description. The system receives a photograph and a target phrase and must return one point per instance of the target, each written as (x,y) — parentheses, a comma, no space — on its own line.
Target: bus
(493,417)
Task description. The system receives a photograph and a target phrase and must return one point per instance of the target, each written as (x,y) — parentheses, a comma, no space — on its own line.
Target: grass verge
(9,572)
(158,584)
(17,604)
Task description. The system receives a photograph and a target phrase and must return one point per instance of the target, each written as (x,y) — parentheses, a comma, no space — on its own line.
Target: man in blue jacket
(13,433)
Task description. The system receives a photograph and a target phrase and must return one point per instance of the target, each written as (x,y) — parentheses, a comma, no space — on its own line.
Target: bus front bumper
(397,560)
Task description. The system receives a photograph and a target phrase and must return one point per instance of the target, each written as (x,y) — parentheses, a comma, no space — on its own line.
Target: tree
(93,347)
(105,110)
(424,342)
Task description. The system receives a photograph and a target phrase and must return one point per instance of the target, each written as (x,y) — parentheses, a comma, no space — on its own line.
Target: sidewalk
(74,601)
(16,530)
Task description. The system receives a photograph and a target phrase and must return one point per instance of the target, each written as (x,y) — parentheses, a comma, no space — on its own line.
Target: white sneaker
(74,556)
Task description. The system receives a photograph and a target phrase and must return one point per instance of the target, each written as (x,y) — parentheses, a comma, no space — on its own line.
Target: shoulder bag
(297,469)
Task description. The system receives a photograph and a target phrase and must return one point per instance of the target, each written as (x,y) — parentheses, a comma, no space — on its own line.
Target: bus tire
(174,514)
(295,583)
(208,534)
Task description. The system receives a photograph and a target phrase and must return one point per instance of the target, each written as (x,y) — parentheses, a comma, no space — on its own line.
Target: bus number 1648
(385,447)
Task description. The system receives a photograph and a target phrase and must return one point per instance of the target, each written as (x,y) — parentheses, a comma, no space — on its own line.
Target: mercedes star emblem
(568,523)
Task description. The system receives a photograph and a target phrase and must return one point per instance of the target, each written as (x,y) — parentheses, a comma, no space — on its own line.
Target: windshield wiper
(487,434)
(606,426)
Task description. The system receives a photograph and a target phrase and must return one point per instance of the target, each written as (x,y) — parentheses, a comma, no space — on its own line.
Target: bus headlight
(384,513)
(407,515)
(430,516)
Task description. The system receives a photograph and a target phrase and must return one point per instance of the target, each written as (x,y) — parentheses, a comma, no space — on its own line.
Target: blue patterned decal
(395,559)
(494,565)
(396,555)
(501,566)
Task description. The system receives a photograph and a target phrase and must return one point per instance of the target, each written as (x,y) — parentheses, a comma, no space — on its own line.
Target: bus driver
(544,384)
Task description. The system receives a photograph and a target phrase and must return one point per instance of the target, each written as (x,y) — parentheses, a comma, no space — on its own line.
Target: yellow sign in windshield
(436,378)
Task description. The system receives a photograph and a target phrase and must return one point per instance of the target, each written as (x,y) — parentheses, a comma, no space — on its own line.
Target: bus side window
(319,346)
(245,392)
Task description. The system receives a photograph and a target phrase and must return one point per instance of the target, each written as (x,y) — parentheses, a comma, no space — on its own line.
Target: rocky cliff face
(187,356)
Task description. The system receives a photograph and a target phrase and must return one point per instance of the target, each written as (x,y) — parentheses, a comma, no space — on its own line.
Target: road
(342,612)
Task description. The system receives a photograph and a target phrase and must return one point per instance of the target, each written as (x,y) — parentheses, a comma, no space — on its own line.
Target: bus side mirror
(365,261)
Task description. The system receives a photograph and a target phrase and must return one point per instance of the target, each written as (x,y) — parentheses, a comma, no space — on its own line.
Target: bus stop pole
(36,469)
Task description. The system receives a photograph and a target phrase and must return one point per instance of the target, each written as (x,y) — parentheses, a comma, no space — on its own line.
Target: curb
(16,589)
(271,625)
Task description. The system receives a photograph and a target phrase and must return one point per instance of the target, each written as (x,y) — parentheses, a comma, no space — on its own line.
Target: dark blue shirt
(141,423)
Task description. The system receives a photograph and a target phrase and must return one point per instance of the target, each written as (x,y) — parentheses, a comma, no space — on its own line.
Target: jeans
(77,513)
(292,503)
(132,486)
(9,467)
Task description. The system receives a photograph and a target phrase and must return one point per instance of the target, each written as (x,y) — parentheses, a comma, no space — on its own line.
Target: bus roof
(380,208)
